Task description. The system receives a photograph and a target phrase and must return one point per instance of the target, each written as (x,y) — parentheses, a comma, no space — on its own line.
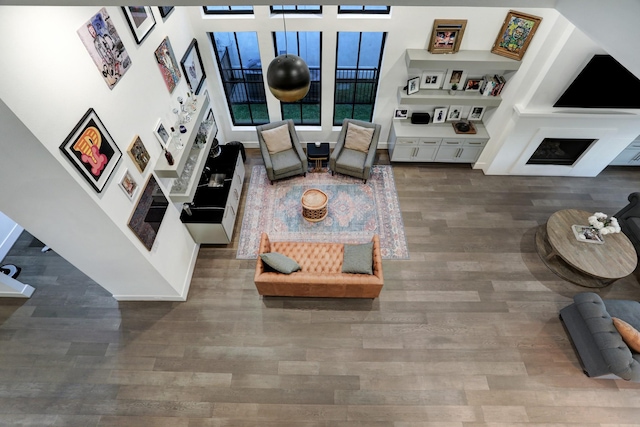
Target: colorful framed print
(192,67)
(413,85)
(165,11)
(476,113)
(440,115)
(141,21)
(162,133)
(106,49)
(457,77)
(168,64)
(400,113)
(455,113)
(446,35)
(92,151)
(139,154)
(128,184)
(432,79)
(515,35)
(147,216)
(473,84)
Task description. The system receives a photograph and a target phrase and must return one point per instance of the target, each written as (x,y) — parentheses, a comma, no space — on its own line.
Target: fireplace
(559,151)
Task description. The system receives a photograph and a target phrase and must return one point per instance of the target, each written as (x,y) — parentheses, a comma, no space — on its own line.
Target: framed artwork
(446,35)
(476,113)
(210,121)
(440,115)
(473,84)
(432,79)
(165,11)
(147,216)
(457,77)
(128,184)
(106,49)
(139,154)
(455,113)
(168,64)
(515,35)
(400,113)
(413,85)
(162,133)
(92,151)
(192,67)
(141,21)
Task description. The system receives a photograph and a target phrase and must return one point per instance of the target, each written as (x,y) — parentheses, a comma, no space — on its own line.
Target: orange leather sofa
(321,272)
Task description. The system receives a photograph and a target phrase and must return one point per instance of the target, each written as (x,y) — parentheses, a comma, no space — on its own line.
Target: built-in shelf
(442,97)
(197,158)
(473,60)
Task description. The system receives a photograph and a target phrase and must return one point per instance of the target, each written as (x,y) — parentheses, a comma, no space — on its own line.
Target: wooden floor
(464,334)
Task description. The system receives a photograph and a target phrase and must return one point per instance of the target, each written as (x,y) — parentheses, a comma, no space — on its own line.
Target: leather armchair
(285,163)
(353,162)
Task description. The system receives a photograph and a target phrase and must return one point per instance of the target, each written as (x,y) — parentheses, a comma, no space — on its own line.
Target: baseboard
(20,290)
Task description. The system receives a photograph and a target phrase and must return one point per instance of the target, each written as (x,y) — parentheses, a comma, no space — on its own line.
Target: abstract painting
(168,64)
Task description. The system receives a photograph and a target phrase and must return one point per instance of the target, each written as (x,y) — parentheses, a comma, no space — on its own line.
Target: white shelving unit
(442,97)
(475,60)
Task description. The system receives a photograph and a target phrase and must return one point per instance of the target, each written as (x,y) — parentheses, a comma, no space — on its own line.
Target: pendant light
(288,76)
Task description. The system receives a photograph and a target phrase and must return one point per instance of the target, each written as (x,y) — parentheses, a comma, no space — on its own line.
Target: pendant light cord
(286,43)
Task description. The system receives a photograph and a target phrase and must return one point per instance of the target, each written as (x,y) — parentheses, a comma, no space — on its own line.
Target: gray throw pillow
(358,258)
(280,263)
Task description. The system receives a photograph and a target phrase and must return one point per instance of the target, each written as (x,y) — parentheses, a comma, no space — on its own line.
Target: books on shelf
(492,85)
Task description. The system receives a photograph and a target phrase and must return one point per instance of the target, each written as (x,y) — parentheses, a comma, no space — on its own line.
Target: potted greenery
(454,88)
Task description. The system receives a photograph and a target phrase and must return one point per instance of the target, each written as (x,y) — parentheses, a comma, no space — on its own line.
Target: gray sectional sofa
(600,347)
(629,220)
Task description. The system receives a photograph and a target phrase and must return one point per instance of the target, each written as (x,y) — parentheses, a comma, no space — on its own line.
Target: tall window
(228,10)
(238,59)
(311,8)
(307,45)
(357,72)
(364,9)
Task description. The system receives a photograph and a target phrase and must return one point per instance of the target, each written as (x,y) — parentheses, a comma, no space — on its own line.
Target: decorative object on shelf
(446,35)
(192,67)
(168,64)
(92,151)
(400,113)
(455,113)
(185,112)
(604,224)
(492,85)
(476,113)
(165,11)
(140,20)
(454,76)
(106,49)
(473,84)
(128,184)
(148,214)
(215,149)
(175,137)
(464,127)
(420,118)
(440,115)
(432,79)
(515,35)
(413,85)
(587,234)
(454,88)
(139,154)
(162,134)
(168,156)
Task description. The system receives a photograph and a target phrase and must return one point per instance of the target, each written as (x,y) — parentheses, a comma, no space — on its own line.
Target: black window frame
(227,12)
(296,11)
(364,10)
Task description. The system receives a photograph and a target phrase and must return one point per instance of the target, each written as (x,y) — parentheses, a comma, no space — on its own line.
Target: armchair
(629,220)
(351,155)
(281,150)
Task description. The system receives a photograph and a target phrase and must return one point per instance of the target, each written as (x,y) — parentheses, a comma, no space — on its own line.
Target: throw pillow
(628,333)
(279,262)
(277,139)
(358,258)
(358,138)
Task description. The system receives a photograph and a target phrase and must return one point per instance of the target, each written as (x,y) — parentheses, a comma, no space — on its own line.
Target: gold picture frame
(515,35)
(139,154)
(446,35)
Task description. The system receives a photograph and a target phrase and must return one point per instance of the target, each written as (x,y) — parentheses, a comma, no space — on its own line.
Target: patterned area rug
(356,211)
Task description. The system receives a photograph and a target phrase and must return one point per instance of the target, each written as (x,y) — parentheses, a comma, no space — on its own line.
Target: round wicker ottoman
(314,205)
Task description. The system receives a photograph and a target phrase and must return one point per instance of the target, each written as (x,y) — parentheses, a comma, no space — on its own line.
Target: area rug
(356,211)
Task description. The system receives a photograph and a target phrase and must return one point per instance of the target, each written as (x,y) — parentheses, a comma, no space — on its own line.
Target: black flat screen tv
(603,83)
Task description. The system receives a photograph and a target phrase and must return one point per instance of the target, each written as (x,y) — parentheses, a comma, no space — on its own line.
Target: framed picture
(413,85)
(440,115)
(168,64)
(455,113)
(431,79)
(128,184)
(162,133)
(165,11)
(141,21)
(139,154)
(92,151)
(400,113)
(515,35)
(476,113)
(210,122)
(147,216)
(106,49)
(446,35)
(473,84)
(192,67)
(457,77)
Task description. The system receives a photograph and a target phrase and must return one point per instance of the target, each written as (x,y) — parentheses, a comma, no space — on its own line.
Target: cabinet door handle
(474,143)
(459,152)
(235,193)
(637,157)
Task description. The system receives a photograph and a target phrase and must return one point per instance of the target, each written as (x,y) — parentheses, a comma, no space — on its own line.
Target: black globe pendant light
(288,76)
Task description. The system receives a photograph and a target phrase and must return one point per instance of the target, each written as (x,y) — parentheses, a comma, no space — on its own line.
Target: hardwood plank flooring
(465,333)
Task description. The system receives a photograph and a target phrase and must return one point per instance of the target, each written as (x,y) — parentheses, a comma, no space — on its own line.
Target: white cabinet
(415,149)
(630,156)
(460,151)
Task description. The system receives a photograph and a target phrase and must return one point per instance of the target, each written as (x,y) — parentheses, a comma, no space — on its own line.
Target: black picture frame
(141,21)
(91,150)
(192,67)
(149,212)
(165,11)
(413,85)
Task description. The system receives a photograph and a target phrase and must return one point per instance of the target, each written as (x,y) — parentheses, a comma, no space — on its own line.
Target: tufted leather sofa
(321,272)
(600,347)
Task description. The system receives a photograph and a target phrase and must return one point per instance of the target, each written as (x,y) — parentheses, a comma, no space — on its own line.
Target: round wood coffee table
(586,264)
(314,205)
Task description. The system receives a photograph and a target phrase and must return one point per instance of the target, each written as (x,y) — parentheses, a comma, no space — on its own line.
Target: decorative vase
(452,91)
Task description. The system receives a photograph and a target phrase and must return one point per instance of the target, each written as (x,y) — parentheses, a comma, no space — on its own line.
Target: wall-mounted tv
(603,83)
